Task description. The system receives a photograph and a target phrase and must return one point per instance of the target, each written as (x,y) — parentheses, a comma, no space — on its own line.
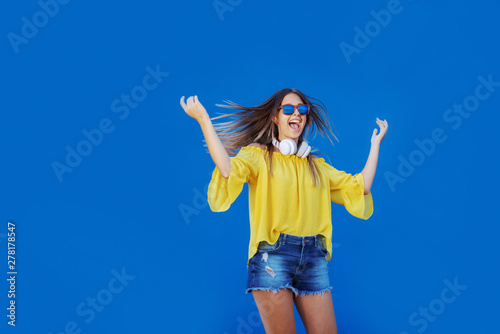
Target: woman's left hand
(377,138)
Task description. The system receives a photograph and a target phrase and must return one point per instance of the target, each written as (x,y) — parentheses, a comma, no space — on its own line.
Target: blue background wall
(133,205)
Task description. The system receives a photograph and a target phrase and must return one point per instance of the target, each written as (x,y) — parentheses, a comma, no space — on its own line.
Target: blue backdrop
(104,176)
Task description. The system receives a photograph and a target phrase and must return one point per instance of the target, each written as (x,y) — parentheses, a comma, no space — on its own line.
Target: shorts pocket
(322,246)
(264,246)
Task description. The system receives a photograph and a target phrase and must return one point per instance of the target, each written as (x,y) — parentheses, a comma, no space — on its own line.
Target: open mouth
(295,125)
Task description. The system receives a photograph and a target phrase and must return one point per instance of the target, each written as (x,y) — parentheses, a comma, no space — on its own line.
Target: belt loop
(316,240)
(283,239)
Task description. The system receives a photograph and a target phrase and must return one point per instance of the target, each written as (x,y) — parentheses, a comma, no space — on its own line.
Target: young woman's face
(290,126)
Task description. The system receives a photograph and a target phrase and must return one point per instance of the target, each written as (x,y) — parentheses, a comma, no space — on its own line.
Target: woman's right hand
(194,108)
(217,151)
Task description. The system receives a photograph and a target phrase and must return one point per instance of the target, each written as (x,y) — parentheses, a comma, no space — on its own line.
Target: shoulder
(256,147)
(323,166)
(252,152)
(261,146)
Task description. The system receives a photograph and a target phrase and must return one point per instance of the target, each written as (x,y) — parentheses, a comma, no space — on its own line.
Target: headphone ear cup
(275,143)
(308,151)
(304,149)
(288,147)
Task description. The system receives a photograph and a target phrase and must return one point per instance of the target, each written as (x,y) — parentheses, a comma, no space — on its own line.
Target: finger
(196,99)
(182,102)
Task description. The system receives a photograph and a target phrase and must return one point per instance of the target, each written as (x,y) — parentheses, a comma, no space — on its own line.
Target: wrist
(204,120)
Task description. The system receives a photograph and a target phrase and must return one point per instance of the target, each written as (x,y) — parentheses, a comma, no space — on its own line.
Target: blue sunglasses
(288,109)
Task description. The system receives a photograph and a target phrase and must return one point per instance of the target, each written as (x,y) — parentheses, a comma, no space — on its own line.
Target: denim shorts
(295,263)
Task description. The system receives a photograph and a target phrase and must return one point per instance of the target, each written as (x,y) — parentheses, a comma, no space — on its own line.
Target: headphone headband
(288,147)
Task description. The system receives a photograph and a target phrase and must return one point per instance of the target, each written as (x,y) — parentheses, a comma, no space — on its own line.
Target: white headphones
(288,147)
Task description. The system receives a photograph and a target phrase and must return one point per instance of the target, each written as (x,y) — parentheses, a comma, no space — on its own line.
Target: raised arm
(195,109)
(371,164)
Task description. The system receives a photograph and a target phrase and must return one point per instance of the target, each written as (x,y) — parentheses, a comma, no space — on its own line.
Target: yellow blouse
(287,201)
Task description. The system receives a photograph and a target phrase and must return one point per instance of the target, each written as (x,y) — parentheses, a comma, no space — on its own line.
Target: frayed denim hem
(294,290)
(320,292)
(288,286)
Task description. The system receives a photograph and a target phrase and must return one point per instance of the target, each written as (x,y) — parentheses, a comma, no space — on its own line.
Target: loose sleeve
(223,192)
(348,190)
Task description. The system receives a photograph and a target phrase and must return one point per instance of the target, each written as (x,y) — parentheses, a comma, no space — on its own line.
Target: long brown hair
(255,125)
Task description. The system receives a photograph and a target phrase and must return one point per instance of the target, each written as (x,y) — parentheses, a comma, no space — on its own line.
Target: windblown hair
(255,125)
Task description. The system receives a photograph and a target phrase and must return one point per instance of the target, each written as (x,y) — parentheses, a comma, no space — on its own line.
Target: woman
(290,191)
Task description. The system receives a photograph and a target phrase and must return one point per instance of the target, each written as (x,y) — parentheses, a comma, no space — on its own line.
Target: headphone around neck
(288,147)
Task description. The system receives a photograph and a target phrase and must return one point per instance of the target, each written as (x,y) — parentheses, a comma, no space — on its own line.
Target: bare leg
(276,310)
(317,314)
